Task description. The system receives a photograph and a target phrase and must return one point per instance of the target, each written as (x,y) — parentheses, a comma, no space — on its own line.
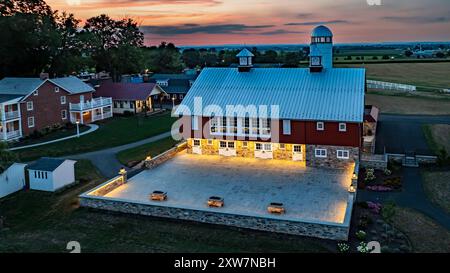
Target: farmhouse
(51,174)
(33,104)
(311,114)
(131,97)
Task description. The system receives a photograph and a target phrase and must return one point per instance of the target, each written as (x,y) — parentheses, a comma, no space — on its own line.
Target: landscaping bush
(387,171)
(394,182)
(364,221)
(361,235)
(343,247)
(370,176)
(362,248)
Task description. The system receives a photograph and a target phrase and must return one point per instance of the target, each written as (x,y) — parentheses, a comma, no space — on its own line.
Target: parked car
(276,208)
(215,201)
(158,196)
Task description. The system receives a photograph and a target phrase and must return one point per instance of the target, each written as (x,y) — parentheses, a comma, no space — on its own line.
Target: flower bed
(380,180)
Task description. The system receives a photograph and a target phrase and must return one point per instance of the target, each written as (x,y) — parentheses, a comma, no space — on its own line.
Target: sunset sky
(208,22)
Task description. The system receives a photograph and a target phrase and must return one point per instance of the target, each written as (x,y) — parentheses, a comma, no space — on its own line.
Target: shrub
(364,221)
(370,176)
(343,247)
(394,182)
(362,248)
(361,235)
(379,188)
(387,171)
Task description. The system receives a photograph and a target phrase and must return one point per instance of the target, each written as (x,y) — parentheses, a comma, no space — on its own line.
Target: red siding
(302,132)
(47,107)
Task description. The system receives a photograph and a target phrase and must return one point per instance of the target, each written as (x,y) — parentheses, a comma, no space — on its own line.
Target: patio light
(351,189)
(148,158)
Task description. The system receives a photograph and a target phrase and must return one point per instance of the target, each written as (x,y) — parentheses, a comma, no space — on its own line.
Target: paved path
(403,133)
(93,127)
(412,196)
(106,161)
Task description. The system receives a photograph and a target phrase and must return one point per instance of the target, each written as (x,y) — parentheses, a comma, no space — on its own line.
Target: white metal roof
(245,53)
(321,31)
(335,94)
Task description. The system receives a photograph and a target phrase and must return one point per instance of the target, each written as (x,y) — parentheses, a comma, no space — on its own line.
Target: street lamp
(173,102)
(78,128)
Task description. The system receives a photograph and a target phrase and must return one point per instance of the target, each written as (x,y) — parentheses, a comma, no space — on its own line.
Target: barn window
(320,126)
(342,127)
(320,152)
(286,127)
(343,154)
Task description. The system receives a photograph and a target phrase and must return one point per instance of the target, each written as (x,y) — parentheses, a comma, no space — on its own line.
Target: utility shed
(12,179)
(51,174)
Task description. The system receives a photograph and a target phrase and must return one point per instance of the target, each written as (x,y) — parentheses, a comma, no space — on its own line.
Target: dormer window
(316,61)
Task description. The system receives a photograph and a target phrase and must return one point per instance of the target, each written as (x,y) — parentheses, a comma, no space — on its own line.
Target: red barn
(310,114)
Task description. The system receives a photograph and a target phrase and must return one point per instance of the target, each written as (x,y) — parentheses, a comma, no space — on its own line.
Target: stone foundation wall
(322,230)
(161,158)
(331,161)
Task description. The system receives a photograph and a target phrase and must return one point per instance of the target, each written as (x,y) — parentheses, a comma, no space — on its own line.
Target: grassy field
(394,103)
(437,187)
(113,132)
(425,235)
(438,136)
(51,136)
(426,75)
(45,222)
(141,152)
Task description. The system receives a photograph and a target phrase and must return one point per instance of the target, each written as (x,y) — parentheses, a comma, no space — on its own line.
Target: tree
(165,58)
(292,59)
(440,54)
(7,158)
(28,37)
(385,57)
(408,53)
(191,58)
(106,39)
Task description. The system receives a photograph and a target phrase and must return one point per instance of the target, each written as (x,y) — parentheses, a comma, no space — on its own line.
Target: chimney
(43,76)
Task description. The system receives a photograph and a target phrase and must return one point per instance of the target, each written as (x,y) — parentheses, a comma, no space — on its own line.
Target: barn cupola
(245,60)
(321,49)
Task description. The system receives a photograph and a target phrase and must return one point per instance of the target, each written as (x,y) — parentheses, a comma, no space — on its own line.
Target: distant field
(427,75)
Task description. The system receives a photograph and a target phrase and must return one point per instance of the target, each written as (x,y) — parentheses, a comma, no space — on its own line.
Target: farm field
(428,104)
(425,75)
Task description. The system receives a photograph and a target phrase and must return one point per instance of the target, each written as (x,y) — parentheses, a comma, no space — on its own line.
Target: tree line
(35,39)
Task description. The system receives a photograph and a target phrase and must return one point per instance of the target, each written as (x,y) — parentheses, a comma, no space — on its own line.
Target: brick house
(33,104)
(318,116)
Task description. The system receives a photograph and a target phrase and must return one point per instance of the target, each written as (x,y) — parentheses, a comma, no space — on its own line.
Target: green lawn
(44,222)
(134,155)
(50,136)
(113,132)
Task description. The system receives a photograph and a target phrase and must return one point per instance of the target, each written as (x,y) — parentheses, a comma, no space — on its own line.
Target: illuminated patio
(247,186)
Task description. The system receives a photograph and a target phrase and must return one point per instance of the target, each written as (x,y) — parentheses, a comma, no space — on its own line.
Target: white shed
(12,179)
(51,174)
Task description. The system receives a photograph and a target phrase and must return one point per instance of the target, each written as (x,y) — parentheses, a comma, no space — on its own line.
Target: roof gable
(335,94)
(126,91)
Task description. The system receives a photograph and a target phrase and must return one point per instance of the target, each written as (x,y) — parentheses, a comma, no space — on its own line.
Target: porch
(91,111)
(10,121)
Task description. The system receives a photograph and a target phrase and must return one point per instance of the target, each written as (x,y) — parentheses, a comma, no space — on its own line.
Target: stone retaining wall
(375,161)
(161,158)
(324,230)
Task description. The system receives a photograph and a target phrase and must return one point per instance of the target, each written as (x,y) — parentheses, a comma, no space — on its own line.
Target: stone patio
(247,186)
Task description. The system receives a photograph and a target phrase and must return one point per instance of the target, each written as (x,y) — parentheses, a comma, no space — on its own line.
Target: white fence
(390,86)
